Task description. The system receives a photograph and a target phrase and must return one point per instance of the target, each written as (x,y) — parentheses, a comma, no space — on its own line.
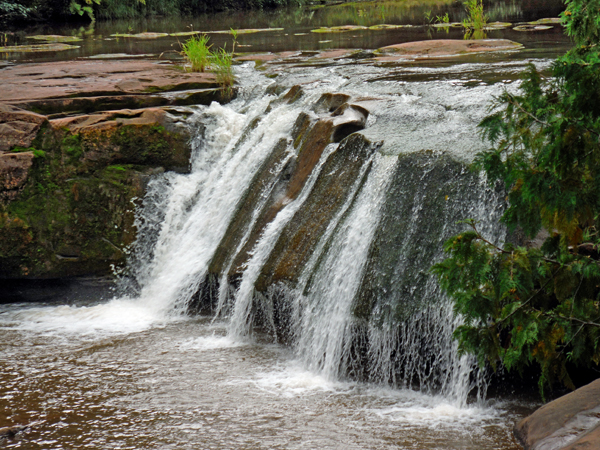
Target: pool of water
(107,376)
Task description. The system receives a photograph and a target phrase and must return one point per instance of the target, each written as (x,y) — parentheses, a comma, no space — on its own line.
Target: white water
(324,325)
(181,224)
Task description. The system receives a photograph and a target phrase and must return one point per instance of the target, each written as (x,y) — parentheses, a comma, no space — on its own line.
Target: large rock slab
(90,86)
(568,423)
(445,47)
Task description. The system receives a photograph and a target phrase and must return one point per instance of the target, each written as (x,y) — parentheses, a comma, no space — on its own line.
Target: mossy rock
(75,214)
(37,48)
(532,27)
(385,26)
(546,21)
(497,26)
(55,38)
(140,35)
(340,29)
(447,25)
(244,31)
(185,33)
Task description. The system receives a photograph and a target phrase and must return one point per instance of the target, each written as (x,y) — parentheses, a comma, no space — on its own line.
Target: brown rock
(18,128)
(89,86)
(445,47)
(569,422)
(14,170)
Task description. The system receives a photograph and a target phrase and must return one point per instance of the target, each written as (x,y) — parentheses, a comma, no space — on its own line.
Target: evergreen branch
(481,238)
(573,319)
(513,102)
(531,297)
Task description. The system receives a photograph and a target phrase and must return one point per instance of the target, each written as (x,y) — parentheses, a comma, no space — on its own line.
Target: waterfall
(296,223)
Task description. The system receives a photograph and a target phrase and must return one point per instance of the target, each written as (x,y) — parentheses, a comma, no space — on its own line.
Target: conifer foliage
(531,304)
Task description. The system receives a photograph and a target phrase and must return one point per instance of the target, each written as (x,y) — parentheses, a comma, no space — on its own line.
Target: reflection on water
(297,25)
(187,385)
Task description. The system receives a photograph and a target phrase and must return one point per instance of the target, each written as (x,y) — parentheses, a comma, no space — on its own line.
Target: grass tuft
(197,51)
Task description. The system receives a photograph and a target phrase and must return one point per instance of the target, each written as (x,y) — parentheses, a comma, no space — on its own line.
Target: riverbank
(25,12)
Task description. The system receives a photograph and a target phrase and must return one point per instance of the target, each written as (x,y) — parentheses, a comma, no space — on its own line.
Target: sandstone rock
(445,47)
(18,127)
(89,86)
(569,422)
(14,169)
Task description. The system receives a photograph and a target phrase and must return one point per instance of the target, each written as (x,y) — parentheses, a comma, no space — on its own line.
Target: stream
(299,364)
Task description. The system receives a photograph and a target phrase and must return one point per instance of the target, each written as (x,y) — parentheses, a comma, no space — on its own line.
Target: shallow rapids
(185,385)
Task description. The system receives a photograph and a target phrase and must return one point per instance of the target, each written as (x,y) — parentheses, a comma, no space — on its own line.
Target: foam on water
(117,316)
(212,342)
(292,380)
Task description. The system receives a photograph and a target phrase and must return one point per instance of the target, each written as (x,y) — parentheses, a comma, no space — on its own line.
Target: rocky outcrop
(571,422)
(18,128)
(444,47)
(82,87)
(67,200)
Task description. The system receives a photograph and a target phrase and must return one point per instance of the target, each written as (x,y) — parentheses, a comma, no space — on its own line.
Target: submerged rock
(568,423)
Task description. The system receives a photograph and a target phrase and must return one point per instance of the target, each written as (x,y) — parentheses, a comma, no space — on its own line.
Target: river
(136,372)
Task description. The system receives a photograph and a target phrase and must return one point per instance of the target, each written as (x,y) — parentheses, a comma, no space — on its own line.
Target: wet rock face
(67,205)
(285,174)
(571,422)
(429,193)
(18,128)
(14,170)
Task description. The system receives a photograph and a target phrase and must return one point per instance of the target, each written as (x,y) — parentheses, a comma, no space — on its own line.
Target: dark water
(296,27)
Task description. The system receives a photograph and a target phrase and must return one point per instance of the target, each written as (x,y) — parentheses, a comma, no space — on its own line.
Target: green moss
(74,215)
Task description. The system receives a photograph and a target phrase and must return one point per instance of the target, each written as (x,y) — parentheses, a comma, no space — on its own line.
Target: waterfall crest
(296,223)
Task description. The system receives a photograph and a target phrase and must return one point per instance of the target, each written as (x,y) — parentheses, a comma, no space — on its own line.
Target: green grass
(221,65)
(197,51)
(476,20)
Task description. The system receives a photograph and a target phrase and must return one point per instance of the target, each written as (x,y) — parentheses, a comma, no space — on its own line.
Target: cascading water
(339,317)
(311,217)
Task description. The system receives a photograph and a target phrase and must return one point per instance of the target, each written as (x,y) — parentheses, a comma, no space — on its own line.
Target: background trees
(539,304)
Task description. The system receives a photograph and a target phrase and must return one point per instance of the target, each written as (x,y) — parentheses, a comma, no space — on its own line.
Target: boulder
(444,47)
(571,422)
